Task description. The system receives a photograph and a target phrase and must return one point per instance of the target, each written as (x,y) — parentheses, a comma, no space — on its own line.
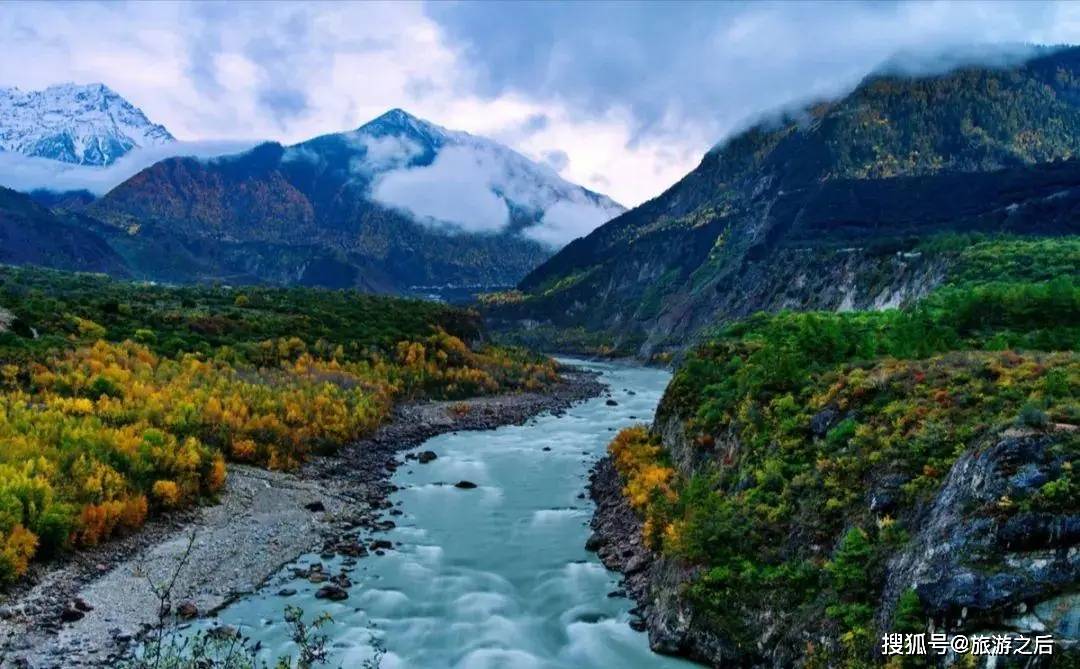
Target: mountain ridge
(651,280)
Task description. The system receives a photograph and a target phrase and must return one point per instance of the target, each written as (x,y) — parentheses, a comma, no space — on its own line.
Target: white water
(495,577)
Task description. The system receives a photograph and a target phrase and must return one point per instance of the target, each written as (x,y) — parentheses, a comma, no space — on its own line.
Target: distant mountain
(87,125)
(831,208)
(31,234)
(396,205)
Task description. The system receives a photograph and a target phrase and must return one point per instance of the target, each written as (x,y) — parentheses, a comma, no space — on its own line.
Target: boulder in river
(332,592)
(70,615)
(465,485)
(426,456)
(187,610)
(611,403)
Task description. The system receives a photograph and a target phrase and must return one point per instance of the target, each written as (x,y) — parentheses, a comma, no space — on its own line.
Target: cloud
(558,160)
(22,173)
(455,190)
(565,221)
(675,66)
(383,153)
(472,185)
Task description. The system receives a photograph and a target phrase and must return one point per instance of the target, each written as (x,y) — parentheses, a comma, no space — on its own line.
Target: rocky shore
(90,609)
(651,580)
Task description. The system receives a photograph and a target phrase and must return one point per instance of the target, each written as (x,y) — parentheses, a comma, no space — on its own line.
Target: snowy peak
(84,124)
(400,122)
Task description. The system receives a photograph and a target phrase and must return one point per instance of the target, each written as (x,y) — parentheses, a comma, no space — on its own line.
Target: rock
(187,610)
(426,456)
(70,615)
(223,632)
(286,592)
(823,420)
(316,577)
(546,448)
(315,507)
(80,604)
(611,403)
(352,549)
(380,544)
(334,593)
(637,624)
(1032,553)
(594,542)
(465,485)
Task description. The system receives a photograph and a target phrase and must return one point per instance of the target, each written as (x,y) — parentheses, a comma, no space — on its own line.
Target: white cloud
(455,189)
(567,220)
(383,153)
(22,173)
(472,183)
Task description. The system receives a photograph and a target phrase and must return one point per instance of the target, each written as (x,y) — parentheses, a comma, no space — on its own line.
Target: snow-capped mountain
(458,180)
(87,125)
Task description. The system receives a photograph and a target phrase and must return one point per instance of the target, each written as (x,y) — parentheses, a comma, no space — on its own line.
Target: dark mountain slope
(31,234)
(825,200)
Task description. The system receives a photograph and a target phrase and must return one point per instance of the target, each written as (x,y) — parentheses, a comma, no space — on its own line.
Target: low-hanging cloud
(456,189)
(567,220)
(384,152)
(470,187)
(23,173)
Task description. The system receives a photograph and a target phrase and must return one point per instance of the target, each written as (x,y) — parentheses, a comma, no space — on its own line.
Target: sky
(623,98)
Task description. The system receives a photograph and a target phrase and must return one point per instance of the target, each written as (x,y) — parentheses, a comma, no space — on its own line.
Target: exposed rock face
(974,567)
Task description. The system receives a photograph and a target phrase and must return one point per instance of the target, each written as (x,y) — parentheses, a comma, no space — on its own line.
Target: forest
(123,400)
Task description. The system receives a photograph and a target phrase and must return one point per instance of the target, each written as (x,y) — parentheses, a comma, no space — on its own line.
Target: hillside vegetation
(797,459)
(119,400)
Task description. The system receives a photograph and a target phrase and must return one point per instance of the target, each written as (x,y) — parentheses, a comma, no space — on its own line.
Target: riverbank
(264,519)
(651,581)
